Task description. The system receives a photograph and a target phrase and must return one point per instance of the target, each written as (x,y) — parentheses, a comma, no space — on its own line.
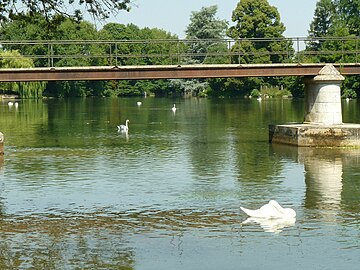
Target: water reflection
(99,240)
(1,162)
(273,225)
(124,133)
(75,194)
(325,177)
(59,243)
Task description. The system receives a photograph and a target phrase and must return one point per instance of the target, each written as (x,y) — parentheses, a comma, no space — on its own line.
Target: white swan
(124,128)
(139,103)
(10,103)
(174,108)
(271,210)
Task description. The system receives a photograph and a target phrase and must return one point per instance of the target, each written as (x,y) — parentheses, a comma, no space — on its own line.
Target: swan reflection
(1,162)
(272,225)
(124,133)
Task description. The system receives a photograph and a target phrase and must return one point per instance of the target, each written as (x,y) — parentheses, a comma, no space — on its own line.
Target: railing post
(356,50)
(239,59)
(229,51)
(298,50)
(50,54)
(49,63)
(287,49)
(342,51)
(178,52)
(110,55)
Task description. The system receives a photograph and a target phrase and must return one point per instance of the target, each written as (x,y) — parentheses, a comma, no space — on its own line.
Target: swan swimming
(271,210)
(124,128)
(174,108)
(139,103)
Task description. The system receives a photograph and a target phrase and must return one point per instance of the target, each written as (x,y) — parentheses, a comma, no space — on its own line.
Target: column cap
(329,73)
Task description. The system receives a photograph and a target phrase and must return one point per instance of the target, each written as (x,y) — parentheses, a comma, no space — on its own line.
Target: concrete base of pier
(341,135)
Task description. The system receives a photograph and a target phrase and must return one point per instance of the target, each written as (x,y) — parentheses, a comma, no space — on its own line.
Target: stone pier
(322,126)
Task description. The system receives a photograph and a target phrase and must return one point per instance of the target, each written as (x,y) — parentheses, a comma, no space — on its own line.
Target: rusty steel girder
(168,72)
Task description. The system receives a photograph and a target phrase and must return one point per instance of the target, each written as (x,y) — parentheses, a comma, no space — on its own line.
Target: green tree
(261,21)
(323,19)
(34,27)
(334,19)
(206,33)
(258,36)
(96,8)
(349,13)
(13,59)
(206,30)
(148,46)
(155,44)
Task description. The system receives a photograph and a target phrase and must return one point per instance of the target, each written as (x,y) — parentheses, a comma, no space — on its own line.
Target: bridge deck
(168,72)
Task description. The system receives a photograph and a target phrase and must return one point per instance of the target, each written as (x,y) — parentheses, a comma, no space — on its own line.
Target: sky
(174,15)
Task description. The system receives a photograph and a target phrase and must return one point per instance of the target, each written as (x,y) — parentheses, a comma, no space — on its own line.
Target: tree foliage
(204,32)
(147,41)
(13,59)
(256,36)
(333,19)
(258,20)
(256,26)
(349,13)
(204,28)
(323,18)
(101,9)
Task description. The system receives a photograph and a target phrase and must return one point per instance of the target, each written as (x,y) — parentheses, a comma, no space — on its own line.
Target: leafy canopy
(204,28)
(256,19)
(101,9)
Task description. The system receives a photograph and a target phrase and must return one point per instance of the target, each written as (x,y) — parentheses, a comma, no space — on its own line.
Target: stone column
(323,97)
(1,144)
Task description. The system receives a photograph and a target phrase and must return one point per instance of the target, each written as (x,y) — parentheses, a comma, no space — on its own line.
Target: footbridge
(170,59)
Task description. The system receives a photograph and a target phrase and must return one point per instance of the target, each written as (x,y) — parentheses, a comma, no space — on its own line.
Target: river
(77,194)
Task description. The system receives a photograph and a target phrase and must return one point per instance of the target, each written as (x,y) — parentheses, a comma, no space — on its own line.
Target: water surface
(77,194)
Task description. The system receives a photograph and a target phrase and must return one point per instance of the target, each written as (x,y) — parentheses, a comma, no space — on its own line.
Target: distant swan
(139,103)
(174,108)
(124,128)
(271,210)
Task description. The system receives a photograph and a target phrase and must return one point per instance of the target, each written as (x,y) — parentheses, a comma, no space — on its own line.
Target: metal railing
(50,53)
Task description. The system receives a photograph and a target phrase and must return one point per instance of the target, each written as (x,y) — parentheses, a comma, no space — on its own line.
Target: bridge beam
(166,72)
